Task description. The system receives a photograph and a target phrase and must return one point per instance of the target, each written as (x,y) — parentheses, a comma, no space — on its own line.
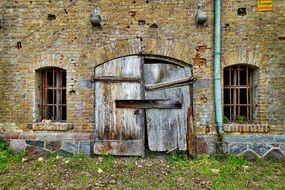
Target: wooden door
(167,128)
(118,131)
(132,93)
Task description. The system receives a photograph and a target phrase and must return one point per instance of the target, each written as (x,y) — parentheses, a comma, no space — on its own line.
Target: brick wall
(257,39)
(165,28)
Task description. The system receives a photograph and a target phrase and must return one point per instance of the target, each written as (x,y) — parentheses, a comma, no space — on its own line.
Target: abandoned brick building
(123,77)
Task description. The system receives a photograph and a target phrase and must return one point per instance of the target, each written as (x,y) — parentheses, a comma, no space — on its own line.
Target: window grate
(53,90)
(238,93)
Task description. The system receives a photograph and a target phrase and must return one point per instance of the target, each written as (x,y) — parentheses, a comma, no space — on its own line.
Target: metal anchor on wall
(201,16)
(96,19)
(73,83)
(1,21)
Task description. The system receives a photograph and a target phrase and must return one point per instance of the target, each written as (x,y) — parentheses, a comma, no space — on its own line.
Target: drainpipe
(217,68)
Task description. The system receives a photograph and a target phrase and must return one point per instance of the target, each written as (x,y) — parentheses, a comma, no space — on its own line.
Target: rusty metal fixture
(19,45)
(96,19)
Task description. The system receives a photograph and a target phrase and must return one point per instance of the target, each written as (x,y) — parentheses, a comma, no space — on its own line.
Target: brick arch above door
(180,51)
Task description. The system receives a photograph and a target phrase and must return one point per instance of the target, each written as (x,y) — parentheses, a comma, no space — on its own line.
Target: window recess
(53,94)
(239,93)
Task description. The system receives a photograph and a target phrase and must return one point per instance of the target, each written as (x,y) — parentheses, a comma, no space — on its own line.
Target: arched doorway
(141,101)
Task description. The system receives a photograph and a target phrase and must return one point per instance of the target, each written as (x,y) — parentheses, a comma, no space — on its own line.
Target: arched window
(53,94)
(240,88)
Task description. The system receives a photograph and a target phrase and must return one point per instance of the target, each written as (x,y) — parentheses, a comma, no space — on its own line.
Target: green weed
(7,156)
(241,119)
(226,120)
(108,161)
(180,158)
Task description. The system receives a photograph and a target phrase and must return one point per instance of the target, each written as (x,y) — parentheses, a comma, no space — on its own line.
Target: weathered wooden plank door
(118,131)
(134,93)
(167,128)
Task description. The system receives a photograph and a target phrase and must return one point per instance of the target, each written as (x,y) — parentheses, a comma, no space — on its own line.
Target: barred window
(238,93)
(53,94)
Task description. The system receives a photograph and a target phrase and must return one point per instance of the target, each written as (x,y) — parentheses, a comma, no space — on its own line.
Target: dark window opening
(238,93)
(53,94)
(241,11)
(51,17)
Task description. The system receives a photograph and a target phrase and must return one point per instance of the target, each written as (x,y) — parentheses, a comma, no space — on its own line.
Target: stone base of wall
(252,146)
(44,143)
(256,146)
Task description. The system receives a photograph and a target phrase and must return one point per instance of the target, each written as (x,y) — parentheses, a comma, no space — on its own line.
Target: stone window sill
(52,126)
(246,128)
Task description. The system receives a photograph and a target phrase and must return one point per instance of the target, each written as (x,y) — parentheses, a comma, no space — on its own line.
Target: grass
(6,156)
(108,172)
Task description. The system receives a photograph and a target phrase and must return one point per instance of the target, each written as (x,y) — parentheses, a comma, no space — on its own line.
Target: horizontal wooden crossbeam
(149,104)
(117,79)
(171,84)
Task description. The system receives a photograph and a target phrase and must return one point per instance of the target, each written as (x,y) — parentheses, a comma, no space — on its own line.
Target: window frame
(233,85)
(57,90)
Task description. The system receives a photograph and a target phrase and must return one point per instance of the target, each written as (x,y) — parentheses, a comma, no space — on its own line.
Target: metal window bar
(230,74)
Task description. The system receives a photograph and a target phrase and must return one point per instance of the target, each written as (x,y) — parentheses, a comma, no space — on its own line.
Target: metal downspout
(217,68)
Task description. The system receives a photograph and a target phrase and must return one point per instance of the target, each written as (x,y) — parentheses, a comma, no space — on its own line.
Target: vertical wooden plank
(143,112)
(118,131)
(112,123)
(122,67)
(190,124)
(189,136)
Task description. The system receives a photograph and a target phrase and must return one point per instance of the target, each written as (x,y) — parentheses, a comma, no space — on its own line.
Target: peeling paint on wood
(123,89)
(167,128)
(117,129)
(122,67)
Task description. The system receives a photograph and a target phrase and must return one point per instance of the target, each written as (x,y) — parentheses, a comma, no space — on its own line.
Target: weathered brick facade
(30,41)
